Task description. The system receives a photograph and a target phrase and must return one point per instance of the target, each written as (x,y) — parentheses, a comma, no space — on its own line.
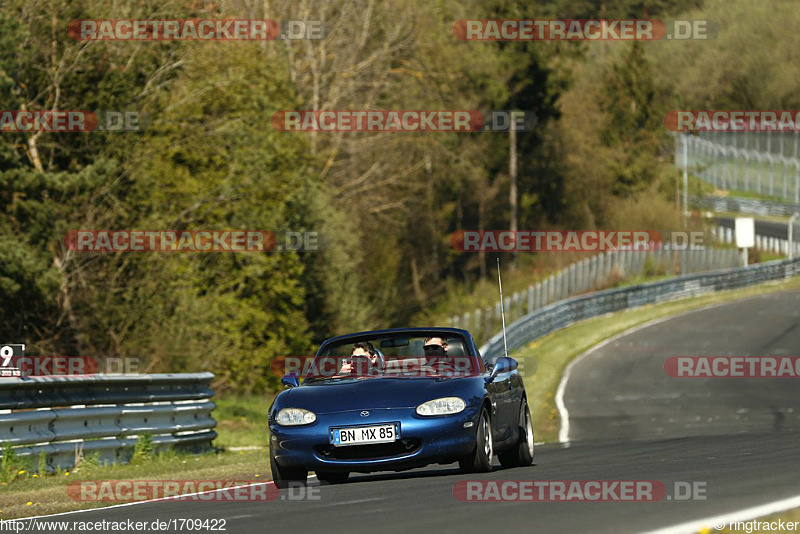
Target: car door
(505,404)
(501,393)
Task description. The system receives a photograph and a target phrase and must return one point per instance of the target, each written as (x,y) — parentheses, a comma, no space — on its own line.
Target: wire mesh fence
(760,163)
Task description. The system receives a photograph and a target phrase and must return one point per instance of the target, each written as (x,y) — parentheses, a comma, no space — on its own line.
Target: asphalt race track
(628,420)
(621,390)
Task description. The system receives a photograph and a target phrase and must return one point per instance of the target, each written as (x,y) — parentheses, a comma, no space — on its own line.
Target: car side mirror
(290,380)
(503,364)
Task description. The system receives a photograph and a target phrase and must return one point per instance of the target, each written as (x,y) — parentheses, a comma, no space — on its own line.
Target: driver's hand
(346,368)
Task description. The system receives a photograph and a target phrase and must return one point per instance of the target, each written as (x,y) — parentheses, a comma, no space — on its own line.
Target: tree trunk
(512,190)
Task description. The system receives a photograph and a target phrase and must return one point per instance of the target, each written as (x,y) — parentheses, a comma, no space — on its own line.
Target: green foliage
(751,64)
(9,464)
(385,204)
(91,462)
(634,121)
(144,450)
(41,463)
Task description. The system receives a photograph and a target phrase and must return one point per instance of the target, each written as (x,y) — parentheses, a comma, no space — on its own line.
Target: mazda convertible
(391,400)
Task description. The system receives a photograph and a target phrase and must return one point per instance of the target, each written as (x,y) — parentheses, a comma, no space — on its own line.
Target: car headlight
(443,406)
(294,417)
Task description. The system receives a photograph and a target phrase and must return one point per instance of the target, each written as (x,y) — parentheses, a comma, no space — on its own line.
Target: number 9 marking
(6,353)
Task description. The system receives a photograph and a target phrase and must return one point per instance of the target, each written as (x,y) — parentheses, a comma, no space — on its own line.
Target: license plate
(361,435)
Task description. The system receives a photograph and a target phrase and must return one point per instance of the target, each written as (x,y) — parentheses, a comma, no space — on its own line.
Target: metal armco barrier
(566,312)
(590,273)
(67,418)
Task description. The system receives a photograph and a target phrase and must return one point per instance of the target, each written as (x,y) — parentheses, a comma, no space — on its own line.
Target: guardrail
(68,418)
(592,273)
(564,313)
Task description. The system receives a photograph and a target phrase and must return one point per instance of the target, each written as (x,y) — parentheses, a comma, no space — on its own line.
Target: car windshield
(395,355)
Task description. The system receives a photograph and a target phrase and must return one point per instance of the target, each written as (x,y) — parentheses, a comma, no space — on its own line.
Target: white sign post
(745,235)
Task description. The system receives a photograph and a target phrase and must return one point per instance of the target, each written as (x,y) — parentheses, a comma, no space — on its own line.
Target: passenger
(364,360)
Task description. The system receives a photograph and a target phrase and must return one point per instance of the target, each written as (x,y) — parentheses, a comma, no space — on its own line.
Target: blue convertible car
(391,400)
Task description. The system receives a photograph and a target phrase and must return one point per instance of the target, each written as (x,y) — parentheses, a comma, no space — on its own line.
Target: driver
(436,351)
(364,360)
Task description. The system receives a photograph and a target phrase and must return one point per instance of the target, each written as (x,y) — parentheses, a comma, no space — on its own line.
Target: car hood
(368,393)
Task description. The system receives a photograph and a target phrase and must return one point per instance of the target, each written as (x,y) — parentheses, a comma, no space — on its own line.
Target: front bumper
(422,441)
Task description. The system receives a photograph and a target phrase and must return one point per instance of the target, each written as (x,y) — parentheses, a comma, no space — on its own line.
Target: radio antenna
(502,308)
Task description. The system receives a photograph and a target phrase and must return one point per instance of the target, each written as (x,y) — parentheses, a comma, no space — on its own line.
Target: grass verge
(241,420)
(32,494)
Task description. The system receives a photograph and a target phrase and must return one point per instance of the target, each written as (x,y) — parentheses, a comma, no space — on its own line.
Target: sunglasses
(433,349)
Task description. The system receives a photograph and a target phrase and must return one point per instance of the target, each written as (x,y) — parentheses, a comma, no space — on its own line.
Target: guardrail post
(592,280)
(559,282)
(571,280)
(545,291)
(531,304)
(797,184)
(601,269)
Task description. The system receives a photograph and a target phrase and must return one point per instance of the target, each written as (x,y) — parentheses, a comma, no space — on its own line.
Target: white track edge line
(740,515)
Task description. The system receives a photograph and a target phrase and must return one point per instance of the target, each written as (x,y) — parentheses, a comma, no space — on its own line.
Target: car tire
(284,477)
(520,455)
(480,460)
(332,477)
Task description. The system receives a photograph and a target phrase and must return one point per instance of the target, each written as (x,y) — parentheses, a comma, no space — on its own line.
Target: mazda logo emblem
(365,413)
